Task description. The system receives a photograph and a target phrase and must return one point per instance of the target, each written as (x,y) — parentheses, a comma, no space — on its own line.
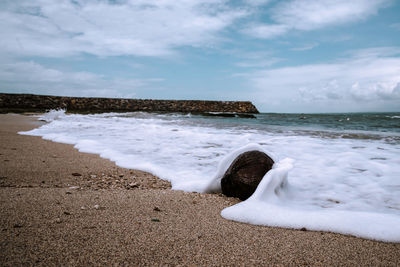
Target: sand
(62,207)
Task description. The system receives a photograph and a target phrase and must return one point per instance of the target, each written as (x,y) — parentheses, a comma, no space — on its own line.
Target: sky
(294,56)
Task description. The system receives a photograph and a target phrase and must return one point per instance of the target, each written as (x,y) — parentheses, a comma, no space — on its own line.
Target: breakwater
(30,102)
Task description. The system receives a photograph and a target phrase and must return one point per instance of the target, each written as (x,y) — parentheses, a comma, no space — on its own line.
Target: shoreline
(52,215)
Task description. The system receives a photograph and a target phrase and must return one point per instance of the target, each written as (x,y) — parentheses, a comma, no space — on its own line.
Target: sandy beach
(62,207)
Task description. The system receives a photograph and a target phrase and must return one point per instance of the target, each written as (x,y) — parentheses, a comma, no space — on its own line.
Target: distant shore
(63,207)
(30,102)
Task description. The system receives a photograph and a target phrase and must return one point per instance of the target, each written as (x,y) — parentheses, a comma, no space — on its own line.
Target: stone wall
(28,102)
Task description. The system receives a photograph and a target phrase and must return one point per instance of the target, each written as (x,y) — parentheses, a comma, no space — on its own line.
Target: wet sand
(62,207)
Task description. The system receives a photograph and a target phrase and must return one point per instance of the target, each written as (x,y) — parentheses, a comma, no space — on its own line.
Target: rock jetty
(30,102)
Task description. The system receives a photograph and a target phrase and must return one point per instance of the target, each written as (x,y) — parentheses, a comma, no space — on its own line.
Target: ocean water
(332,172)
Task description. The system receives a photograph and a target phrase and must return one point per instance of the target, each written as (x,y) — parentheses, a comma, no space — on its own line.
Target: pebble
(156,209)
(132,185)
(76,174)
(58,220)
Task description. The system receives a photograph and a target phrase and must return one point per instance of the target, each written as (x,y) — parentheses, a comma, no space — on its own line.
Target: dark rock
(245,173)
(247,116)
(76,174)
(17,225)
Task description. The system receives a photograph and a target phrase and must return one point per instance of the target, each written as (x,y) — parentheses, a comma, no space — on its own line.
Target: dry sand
(119,216)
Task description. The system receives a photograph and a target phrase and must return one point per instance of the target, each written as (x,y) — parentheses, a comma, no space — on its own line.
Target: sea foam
(346,184)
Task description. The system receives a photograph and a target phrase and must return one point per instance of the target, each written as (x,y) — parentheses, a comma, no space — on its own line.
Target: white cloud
(308,15)
(256,2)
(365,78)
(105,28)
(265,31)
(305,47)
(258,63)
(30,77)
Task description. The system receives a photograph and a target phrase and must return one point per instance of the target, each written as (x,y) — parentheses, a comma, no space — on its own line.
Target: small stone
(155,220)
(17,225)
(58,220)
(76,174)
(83,208)
(67,213)
(93,176)
(132,185)
(121,175)
(156,209)
(68,193)
(74,187)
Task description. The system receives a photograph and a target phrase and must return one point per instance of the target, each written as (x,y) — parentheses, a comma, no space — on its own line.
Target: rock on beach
(245,173)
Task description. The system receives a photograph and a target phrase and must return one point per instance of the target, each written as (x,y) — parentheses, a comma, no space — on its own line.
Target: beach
(63,207)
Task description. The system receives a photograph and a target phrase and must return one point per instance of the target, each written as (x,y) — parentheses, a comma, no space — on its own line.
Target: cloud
(367,76)
(27,77)
(111,28)
(265,31)
(305,47)
(305,15)
(258,63)
(256,2)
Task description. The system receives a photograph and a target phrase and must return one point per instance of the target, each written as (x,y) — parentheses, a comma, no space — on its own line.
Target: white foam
(271,205)
(351,178)
(52,115)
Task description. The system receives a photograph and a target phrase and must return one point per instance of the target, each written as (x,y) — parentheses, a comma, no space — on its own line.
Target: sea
(333,172)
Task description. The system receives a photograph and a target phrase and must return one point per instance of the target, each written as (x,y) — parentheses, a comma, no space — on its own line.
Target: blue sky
(284,56)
